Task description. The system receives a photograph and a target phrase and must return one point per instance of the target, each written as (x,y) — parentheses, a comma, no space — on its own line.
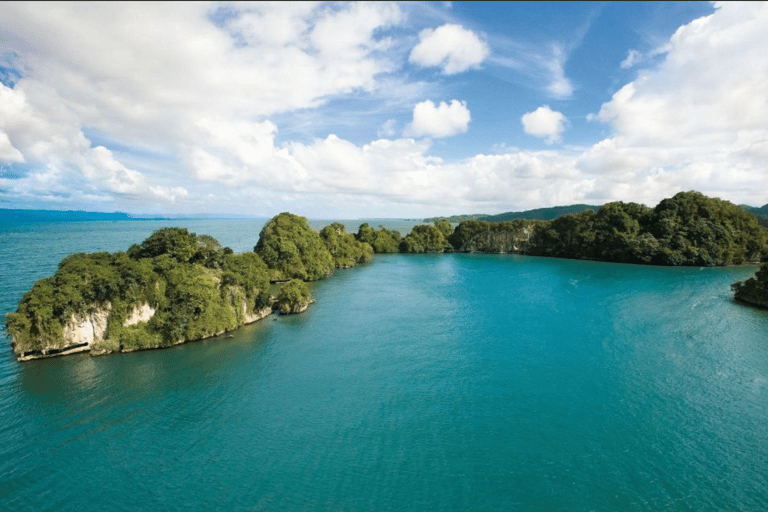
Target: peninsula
(177,286)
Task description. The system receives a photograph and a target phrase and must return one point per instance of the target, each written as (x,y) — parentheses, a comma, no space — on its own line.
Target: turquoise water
(416,382)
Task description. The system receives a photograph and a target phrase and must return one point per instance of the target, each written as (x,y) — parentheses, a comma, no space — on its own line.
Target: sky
(379,110)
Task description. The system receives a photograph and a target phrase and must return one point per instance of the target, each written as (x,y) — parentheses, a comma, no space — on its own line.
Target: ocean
(454,382)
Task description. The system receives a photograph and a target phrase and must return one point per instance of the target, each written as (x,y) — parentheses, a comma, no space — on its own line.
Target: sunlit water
(416,382)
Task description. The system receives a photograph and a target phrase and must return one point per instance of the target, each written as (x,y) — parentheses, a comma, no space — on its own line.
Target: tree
(344,248)
(292,249)
(294,297)
(178,243)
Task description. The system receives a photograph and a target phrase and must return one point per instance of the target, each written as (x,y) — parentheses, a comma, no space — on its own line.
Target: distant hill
(550,213)
(10,215)
(541,213)
(458,218)
(760,212)
(20,215)
(558,211)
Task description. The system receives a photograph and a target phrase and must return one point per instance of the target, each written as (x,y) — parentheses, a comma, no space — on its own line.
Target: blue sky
(377,109)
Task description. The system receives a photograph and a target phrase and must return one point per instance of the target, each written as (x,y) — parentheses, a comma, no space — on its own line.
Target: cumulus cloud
(545,123)
(451,47)
(686,124)
(441,120)
(105,86)
(45,135)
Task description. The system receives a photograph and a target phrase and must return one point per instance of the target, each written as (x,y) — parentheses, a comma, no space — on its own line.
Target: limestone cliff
(510,241)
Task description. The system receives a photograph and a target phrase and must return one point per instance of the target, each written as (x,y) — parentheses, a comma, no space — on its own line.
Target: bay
(416,382)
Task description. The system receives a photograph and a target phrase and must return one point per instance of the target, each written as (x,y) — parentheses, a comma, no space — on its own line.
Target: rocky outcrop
(80,334)
(512,241)
(753,291)
(141,313)
(257,315)
(295,308)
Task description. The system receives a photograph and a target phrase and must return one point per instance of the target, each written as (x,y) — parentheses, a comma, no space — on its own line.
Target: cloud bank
(173,108)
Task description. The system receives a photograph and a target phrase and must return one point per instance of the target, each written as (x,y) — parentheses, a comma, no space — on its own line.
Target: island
(178,286)
(753,291)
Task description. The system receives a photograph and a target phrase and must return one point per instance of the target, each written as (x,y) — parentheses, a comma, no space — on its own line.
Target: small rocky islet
(177,286)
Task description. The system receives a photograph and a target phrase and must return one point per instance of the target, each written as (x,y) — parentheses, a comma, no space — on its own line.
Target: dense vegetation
(755,289)
(294,297)
(687,229)
(190,287)
(194,287)
(382,240)
(345,249)
(292,250)
(426,238)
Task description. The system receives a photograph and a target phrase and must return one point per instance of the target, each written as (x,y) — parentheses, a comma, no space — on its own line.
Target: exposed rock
(295,308)
(89,328)
(142,313)
(514,241)
(257,315)
(81,333)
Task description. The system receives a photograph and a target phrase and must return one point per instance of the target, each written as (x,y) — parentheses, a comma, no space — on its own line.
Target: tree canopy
(291,249)
(345,249)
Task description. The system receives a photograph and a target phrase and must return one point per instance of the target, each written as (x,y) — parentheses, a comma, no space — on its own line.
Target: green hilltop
(178,286)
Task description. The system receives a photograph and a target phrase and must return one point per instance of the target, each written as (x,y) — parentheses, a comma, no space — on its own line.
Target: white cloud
(388,128)
(441,120)
(699,120)
(44,134)
(451,47)
(532,65)
(139,73)
(545,123)
(105,86)
(633,57)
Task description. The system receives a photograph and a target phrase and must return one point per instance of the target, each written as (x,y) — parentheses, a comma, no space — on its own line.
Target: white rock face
(87,329)
(143,313)
(257,315)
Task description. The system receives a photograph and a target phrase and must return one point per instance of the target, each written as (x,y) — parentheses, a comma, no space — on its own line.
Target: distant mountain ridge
(21,215)
(558,211)
(8,215)
(541,213)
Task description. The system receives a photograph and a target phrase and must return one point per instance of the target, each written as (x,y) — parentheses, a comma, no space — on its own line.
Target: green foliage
(250,273)
(382,241)
(292,249)
(687,229)
(294,297)
(81,283)
(425,238)
(195,308)
(445,227)
(178,243)
(755,289)
(467,230)
(195,293)
(344,248)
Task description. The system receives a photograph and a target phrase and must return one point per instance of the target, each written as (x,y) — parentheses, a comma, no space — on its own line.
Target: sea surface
(416,382)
